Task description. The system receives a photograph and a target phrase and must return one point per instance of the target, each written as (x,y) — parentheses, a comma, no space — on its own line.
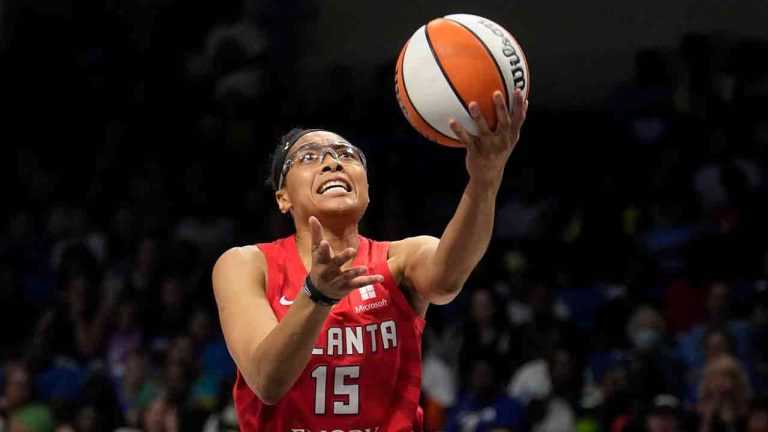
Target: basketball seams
(404,86)
(451,62)
(430,93)
(472,72)
(489,32)
(507,94)
(442,69)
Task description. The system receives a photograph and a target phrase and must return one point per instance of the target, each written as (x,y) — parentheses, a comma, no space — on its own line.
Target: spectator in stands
(664,415)
(652,366)
(126,335)
(144,267)
(169,315)
(547,328)
(137,387)
(718,313)
(439,384)
(32,418)
(613,401)
(724,395)
(209,346)
(547,387)
(716,342)
(160,416)
(482,406)
(486,332)
(759,327)
(17,388)
(758,417)
(74,327)
(178,379)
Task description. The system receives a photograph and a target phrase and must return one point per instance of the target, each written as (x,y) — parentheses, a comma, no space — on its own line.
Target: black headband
(277,168)
(295,137)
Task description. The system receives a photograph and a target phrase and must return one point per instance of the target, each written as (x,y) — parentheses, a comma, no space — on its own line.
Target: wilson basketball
(450,62)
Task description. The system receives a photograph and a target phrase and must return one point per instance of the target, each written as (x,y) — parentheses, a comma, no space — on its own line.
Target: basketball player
(325,325)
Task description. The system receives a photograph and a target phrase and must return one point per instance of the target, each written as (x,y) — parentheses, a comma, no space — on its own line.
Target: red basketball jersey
(365,370)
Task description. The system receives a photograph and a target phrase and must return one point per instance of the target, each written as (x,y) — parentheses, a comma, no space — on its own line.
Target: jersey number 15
(340,388)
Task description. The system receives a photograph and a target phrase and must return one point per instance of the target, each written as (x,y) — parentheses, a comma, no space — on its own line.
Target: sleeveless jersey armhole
(271,272)
(380,254)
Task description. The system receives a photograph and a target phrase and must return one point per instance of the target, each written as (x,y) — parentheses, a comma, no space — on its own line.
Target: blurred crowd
(642,303)
(625,289)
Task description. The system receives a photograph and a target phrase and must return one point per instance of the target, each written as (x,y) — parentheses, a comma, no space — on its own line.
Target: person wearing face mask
(325,325)
(653,367)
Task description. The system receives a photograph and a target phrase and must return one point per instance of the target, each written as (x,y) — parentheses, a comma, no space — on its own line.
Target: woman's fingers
(362,281)
(519,108)
(479,118)
(502,113)
(464,136)
(317,232)
(343,256)
(356,277)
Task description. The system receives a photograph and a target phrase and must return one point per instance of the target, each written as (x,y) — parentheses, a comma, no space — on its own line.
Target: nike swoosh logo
(285,302)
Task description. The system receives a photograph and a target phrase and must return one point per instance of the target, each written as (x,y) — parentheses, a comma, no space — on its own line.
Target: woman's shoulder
(240,259)
(411,245)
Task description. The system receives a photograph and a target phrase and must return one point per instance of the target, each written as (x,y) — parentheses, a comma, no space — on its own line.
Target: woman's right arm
(270,355)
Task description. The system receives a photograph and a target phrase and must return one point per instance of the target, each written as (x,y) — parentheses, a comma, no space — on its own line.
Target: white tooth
(329,184)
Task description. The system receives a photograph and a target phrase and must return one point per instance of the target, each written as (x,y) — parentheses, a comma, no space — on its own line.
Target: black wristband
(315,295)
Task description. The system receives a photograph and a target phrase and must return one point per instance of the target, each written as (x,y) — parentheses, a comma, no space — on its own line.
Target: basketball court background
(629,251)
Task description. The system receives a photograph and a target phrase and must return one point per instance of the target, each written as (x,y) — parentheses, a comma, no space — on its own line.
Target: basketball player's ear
(283,201)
